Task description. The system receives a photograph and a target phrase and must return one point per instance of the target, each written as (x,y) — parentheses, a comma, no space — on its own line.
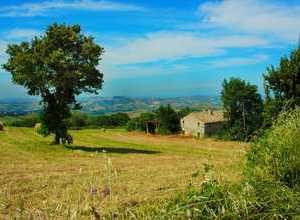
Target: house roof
(208,116)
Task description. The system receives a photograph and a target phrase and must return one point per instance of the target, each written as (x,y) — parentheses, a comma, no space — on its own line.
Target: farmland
(103,171)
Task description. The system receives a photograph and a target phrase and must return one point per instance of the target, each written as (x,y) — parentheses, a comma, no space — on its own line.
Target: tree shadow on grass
(118,150)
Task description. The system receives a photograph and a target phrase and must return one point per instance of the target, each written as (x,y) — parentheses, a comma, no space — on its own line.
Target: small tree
(243,107)
(57,66)
(169,120)
(139,123)
(282,85)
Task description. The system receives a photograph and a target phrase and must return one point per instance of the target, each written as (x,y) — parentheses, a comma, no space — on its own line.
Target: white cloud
(21,33)
(131,71)
(254,16)
(239,61)
(41,9)
(162,46)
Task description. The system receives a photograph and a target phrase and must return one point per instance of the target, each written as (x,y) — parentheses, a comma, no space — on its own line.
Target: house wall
(212,128)
(191,126)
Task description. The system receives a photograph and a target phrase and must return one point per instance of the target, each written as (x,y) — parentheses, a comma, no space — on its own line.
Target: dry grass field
(102,171)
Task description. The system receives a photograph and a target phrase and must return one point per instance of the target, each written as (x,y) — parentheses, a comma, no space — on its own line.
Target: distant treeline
(169,120)
(76,121)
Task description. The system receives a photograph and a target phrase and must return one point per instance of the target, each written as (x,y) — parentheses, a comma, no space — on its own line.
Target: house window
(182,122)
(198,124)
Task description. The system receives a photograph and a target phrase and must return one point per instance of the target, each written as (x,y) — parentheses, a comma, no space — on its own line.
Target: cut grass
(50,181)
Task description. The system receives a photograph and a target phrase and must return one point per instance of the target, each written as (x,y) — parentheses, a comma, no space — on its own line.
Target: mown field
(103,171)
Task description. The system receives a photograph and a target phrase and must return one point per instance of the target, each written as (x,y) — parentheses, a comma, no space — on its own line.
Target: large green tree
(282,85)
(57,66)
(243,107)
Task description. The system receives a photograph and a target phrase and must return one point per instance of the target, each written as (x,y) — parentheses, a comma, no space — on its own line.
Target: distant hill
(18,106)
(104,105)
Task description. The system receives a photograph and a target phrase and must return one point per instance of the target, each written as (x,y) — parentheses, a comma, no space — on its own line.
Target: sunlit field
(104,171)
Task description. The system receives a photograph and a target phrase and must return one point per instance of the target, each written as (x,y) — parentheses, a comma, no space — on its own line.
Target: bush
(77,120)
(209,201)
(276,156)
(135,124)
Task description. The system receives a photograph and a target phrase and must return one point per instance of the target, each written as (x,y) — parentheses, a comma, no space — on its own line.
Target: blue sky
(164,48)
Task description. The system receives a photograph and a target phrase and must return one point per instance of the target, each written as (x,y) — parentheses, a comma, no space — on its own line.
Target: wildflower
(105,192)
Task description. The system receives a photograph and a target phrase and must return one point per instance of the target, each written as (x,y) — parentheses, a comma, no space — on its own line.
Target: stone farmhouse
(200,124)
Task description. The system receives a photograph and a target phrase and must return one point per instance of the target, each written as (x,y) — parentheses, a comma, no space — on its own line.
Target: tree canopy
(243,107)
(57,66)
(282,85)
(169,120)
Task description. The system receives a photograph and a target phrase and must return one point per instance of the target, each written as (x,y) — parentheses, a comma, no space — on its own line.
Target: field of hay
(103,171)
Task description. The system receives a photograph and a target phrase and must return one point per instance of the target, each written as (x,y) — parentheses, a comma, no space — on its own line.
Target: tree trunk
(57,138)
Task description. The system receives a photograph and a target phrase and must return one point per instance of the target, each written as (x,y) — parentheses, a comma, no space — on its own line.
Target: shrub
(77,120)
(135,124)
(275,156)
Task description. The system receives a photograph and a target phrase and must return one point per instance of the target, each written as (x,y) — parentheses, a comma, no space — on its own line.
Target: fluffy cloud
(164,46)
(254,16)
(40,9)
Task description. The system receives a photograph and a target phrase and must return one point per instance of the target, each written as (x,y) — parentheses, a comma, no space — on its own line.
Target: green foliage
(275,156)
(282,86)
(272,107)
(139,123)
(77,120)
(29,120)
(283,82)
(243,108)
(110,121)
(166,116)
(57,66)
(213,200)
(209,201)
(169,120)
